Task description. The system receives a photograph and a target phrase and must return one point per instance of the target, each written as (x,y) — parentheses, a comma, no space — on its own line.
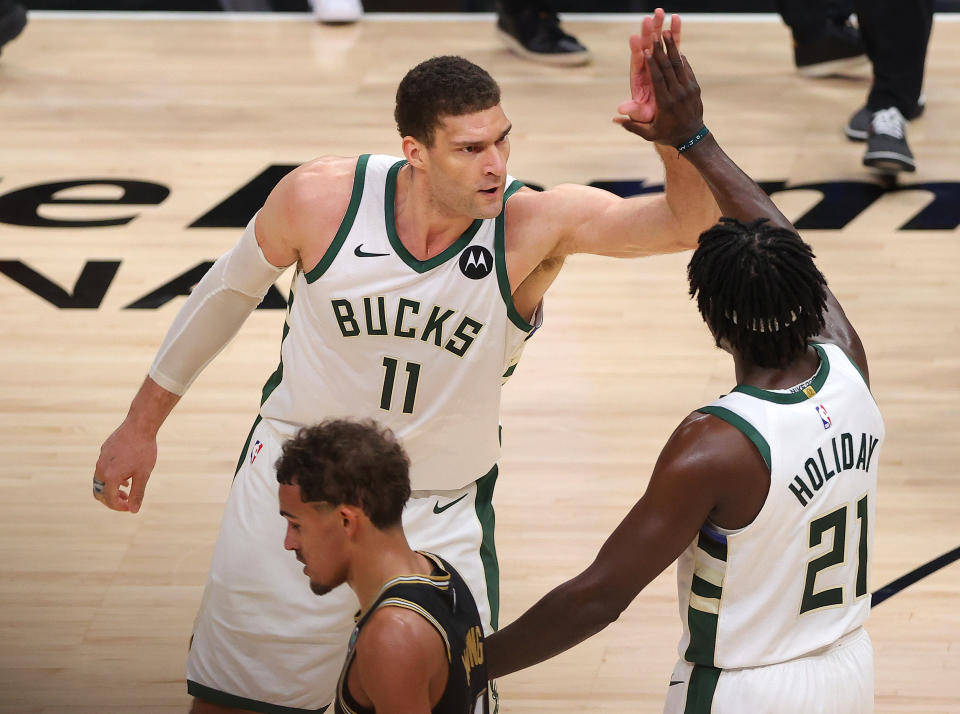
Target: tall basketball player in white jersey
(416,282)
(766,496)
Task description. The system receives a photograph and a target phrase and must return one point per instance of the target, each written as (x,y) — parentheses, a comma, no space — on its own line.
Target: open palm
(642,106)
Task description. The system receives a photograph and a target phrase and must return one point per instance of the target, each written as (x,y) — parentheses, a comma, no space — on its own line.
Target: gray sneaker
(887,149)
(858,127)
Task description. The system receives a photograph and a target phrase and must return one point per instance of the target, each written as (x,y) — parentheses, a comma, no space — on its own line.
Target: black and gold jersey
(444,600)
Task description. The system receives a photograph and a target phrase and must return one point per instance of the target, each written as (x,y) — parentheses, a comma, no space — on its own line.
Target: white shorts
(835,680)
(262,640)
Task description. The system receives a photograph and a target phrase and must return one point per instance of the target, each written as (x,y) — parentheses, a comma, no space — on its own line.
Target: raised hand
(679,114)
(642,105)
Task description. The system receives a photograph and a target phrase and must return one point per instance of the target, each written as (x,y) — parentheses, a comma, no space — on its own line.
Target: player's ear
(414,152)
(350,517)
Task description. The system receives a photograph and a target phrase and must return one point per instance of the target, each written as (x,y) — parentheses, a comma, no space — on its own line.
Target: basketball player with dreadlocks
(766,496)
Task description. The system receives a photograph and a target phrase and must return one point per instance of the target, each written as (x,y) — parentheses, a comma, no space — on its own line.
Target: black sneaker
(535,34)
(836,50)
(887,148)
(13,18)
(858,128)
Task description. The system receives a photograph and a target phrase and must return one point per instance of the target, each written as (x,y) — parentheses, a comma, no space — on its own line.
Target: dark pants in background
(806,18)
(896,33)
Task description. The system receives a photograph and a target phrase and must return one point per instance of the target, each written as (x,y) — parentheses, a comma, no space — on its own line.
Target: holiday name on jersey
(839,456)
(404,324)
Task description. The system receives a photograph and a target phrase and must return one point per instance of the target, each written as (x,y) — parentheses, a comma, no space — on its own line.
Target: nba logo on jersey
(824,417)
(255,450)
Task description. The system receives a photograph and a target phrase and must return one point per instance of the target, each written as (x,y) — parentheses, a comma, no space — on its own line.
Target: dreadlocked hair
(758,289)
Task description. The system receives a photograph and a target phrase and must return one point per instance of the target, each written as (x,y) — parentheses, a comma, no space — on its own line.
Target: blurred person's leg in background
(531,29)
(896,33)
(13,18)
(825,42)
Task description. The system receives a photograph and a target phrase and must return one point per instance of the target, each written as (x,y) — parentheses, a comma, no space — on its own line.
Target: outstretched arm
(704,461)
(590,220)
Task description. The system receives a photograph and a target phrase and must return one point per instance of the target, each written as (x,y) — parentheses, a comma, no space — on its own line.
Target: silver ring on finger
(98,487)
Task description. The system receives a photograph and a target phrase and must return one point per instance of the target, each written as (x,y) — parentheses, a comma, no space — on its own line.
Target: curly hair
(439,87)
(758,288)
(358,463)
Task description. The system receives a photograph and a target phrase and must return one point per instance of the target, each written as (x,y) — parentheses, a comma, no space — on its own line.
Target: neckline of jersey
(389,213)
(796,397)
(440,580)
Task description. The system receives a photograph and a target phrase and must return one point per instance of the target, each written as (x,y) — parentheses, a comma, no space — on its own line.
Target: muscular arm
(595,221)
(303,208)
(544,228)
(400,665)
(707,468)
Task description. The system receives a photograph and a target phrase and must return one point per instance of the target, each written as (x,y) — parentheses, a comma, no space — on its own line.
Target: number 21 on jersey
(835,521)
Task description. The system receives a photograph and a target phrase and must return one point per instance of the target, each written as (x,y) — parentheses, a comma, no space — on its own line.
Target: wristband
(693,140)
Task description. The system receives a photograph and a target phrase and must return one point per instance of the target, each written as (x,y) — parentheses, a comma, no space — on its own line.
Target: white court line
(486,17)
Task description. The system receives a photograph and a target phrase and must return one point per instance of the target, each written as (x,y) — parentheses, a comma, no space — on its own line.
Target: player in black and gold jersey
(418,645)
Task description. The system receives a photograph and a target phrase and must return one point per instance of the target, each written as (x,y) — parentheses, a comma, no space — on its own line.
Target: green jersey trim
(701,688)
(246,445)
(795,397)
(346,224)
(273,381)
(703,610)
(744,426)
(483,503)
(389,214)
(855,365)
(499,246)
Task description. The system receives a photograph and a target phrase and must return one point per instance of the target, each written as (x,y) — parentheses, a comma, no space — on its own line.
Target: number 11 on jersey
(390,376)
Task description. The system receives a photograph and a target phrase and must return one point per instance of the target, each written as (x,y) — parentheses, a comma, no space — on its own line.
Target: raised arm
(590,220)
(212,315)
(736,193)
(705,463)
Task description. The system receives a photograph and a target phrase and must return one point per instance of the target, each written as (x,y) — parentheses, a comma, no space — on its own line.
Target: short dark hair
(439,87)
(358,463)
(757,288)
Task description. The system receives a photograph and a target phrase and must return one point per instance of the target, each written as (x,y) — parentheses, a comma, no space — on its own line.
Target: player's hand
(642,105)
(126,460)
(679,108)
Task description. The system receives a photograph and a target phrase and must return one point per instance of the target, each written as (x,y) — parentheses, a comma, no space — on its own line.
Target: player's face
(316,535)
(467,164)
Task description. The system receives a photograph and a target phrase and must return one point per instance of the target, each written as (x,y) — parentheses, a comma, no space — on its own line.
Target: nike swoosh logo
(364,254)
(675,681)
(437,508)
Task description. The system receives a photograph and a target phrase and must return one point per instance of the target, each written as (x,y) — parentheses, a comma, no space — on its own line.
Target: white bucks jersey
(421,346)
(797,578)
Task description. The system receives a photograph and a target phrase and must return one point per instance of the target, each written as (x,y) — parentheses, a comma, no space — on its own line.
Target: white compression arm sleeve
(214,312)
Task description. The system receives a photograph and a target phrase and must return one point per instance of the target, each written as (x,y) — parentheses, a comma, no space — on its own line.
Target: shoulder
(398,658)
(558,203)
(401,633)
(309,201)
(316,185)
(704,445)
(536,222)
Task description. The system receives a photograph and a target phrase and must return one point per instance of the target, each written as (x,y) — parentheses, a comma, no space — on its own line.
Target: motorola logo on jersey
(476,262)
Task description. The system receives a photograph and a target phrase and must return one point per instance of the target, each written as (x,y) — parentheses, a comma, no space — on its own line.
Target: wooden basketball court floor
(96,607)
